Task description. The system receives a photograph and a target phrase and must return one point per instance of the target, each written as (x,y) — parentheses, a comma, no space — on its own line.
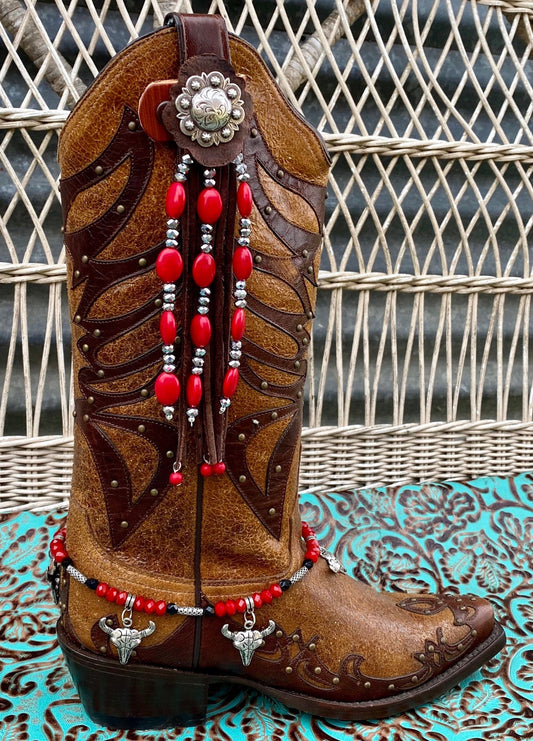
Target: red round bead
(242,263)
(101,589)
(231,379)
(220,609)
(149,606)
(167,388)
(57,545)
(194,390)
(209,205)
(238,325)
(200,330)
(275,590)
(175,200)
(306,530)
(206,469)
(121,598)
(203,270)
(160,607)
(175,478)
(59,556)
(312,556)
(258,602)
(267,596)
(231,607)
(244,200)
(111,594)
(241,605)
(219,468)
(169,265)
(138,605)
(167,327)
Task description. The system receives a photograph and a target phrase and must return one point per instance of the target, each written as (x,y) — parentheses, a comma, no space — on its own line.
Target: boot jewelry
(125,639)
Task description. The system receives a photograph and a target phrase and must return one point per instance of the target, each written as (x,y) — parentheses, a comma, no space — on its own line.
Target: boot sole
(141,696)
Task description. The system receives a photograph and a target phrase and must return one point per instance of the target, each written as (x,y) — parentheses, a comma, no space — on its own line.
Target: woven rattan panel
(420,357)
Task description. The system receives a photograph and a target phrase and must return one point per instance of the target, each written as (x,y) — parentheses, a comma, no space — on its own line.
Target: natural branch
(12,16)
(333,30)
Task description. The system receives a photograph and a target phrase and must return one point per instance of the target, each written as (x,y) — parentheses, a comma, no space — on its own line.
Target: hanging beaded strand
(169,268)
(242,269)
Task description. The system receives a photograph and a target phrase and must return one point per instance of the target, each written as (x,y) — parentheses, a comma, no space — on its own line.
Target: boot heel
(133,696)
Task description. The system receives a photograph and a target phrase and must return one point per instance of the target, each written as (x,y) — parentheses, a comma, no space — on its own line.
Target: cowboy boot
(193,199)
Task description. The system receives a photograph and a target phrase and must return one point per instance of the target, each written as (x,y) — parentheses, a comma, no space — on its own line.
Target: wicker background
(421,366)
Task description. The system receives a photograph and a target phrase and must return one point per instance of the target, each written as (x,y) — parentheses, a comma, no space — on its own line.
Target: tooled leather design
(97,276)
(304,246)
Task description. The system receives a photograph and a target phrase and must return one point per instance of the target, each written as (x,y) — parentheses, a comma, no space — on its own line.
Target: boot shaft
(242,524)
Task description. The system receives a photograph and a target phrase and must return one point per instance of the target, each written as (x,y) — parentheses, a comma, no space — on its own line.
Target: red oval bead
(203,270)
(121,598)
(57,545)
(206,469)
(160,607)
(149,606)
(169,265)
(175,200)
(241,605)
(238,325)
(200,330)
(101,589)
(111,594)
(209,205)
(242,263)
(194,390)
(167,327)
(258,602)
(275,590)
(231,607)
(219,468)
(59,556)
(138,605)
(231,380)
(175,478)
(267,596)
(244,200)
(167,388)
(220,609)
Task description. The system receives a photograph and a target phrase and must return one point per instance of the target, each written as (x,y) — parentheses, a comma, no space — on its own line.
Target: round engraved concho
(210,109)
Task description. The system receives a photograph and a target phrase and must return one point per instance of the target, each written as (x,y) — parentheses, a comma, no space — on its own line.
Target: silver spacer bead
(169,297)
(241,167)
(299,575)
(169,358)
(174,223)
(200,352)
(240,294)
(243,241)
(240,284)
(168,348)
(203,310)
(197,371)
(180,177)
(168,409)
(245,223)
(224,404)
(245,232)
(205,291)
(206,229)
(171,243)
(190,611)
(198,362)
(244,177)
(241,304)
(235,354)
(238,159)
(204,300)
(183,167)
(236,344)
(169,368)
(207,238)
(75,574)
(168,307)
(187,159)
(192,413)
(234,364)
(210,173)
(169,287)
(209,183)
(172,233)
(206,248)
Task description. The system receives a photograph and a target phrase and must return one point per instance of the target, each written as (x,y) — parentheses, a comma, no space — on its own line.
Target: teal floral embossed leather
(457,536)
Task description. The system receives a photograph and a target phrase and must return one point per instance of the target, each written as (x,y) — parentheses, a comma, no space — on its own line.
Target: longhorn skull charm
(125,639)
(247,640)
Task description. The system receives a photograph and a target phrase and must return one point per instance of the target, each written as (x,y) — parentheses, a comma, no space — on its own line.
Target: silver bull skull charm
(247,640)
(125,639)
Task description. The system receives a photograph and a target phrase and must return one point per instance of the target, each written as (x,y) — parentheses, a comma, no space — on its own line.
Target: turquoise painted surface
(474,537)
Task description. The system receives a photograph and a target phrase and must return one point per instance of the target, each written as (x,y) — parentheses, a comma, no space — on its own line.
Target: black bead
(66,563)
(91,583)
(285,584)
(209,611)
(172,608)
(308,563)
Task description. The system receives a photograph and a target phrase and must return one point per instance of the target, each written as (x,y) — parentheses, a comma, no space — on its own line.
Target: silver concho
(210,109)
(247,640)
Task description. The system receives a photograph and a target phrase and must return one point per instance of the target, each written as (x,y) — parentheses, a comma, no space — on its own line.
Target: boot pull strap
(200,34)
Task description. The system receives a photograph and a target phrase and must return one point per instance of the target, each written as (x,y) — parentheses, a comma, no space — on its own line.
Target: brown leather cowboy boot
(193,203)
